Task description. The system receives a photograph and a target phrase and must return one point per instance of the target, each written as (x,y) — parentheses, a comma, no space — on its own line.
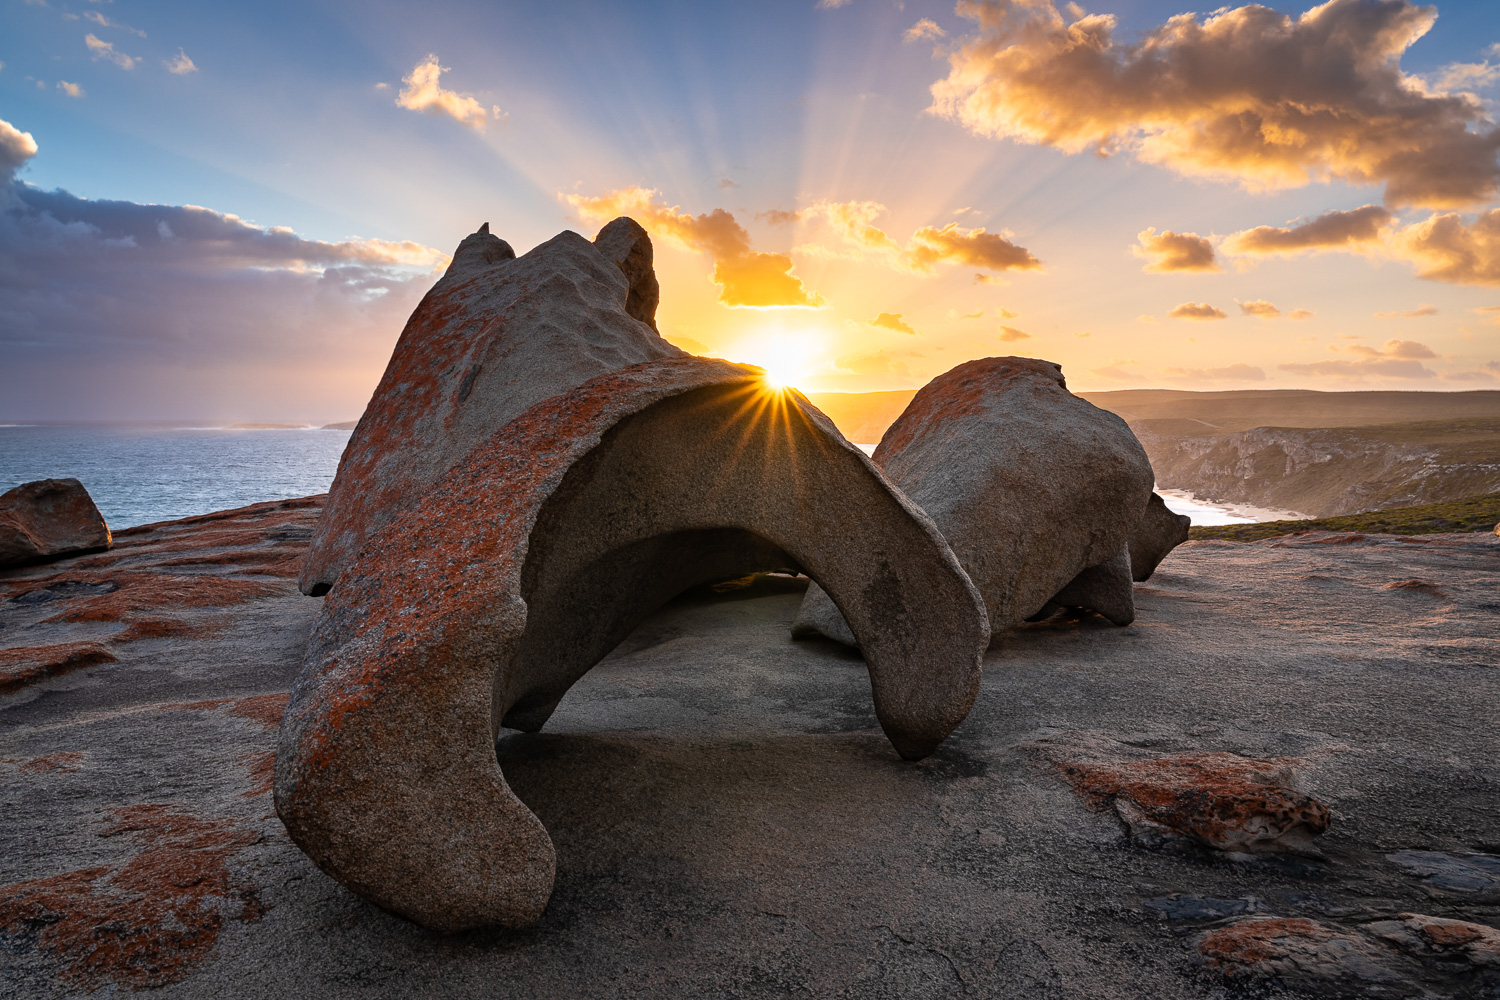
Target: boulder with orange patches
(495,335)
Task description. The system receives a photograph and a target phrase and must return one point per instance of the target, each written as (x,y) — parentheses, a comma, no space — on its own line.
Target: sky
(215,212)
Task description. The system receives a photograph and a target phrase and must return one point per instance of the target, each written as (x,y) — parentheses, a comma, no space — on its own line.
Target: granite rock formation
(627,243)
(1038,491)
(47,519)
(1158,533)
(554,540)
(495,335)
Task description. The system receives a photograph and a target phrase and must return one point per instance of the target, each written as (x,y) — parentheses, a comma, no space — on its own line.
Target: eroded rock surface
(1225,801)
(495,335)
(627,243)
(1158,533)
(1032,486)
(727,814)
(566,530)
(46,519)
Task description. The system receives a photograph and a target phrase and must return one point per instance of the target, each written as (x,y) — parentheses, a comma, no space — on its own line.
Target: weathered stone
(627,243)
(1222,800)
(1461,873)
(552,541)
(497,334)
(1441,938)
(1158,533)
(1305,955)
(48,519)
(1031,485)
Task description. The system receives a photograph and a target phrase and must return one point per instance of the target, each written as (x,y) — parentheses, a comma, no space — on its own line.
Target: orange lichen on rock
(63,762)
(263,708)
(140,593)
(26,665)
(1306,955)
(1223,800)
(1431,937)
(168,628)
(143,924)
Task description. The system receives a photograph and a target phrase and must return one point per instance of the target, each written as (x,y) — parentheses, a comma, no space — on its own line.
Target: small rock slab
(48,519)
(1221,800)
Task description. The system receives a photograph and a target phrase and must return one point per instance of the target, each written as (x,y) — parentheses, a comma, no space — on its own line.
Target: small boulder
(49,519)
(1307,955)
(1031,485)
(1421,936)
(497,334)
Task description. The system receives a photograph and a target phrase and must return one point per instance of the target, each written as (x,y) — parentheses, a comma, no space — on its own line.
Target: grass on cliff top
(1470,514)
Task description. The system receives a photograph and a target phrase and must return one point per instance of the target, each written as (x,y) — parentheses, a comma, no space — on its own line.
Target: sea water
(138,475)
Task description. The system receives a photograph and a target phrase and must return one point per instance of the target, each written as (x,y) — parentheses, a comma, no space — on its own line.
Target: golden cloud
(1197,310)
(928,247)
(1010,333)
(1259,308)
(1329,231)
(1301,314)
(926,28)
(1409,313)
(101,49)
(745,277)
(1168,251)
(1444,248)
(424,92)
(892,321)
(1246,94)
(1406,349)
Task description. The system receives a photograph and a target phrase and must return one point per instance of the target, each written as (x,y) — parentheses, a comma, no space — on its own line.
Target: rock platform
(730,820)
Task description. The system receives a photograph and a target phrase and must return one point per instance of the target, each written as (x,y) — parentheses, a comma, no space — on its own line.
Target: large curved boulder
(1159,532)
(1038,492)
(495,335)
(48,519)
(479,605)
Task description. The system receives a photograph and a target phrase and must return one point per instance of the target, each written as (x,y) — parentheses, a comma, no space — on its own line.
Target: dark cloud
(1329,231)
(118,310)
(1245,94)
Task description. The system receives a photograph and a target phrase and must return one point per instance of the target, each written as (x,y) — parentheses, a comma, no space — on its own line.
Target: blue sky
(288,117)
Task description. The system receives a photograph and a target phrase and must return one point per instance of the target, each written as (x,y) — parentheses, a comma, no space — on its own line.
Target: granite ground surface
(729,819)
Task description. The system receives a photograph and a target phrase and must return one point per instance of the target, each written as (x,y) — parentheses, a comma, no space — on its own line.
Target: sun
(785,358)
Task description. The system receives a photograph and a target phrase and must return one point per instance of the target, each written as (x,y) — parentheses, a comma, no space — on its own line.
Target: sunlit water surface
(138,475)
(142,474)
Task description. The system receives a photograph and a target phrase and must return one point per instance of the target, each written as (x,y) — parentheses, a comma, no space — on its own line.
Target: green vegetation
(1470,514)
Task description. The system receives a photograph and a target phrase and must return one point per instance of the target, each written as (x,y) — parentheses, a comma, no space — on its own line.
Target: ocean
(138,475)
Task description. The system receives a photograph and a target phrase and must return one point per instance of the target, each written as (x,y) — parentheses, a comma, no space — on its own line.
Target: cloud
(180,64)
(1197,310)
(1329,231)
(1010,334)
(1300,314)
(1406,349)
(16,147)
(1115,373)
(423,92)
(120,310)
(745,277)
(1237,372)
(1409,313)
(1491,313)
(892,321)
(929,247)
(1388,367)
(1445,248)
(832,4)
(1259,308)
(106,50)
(104,22)
(71,89)
(1168,251)
(926,28)
(1470,376)
(1246,94)
(779,217)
